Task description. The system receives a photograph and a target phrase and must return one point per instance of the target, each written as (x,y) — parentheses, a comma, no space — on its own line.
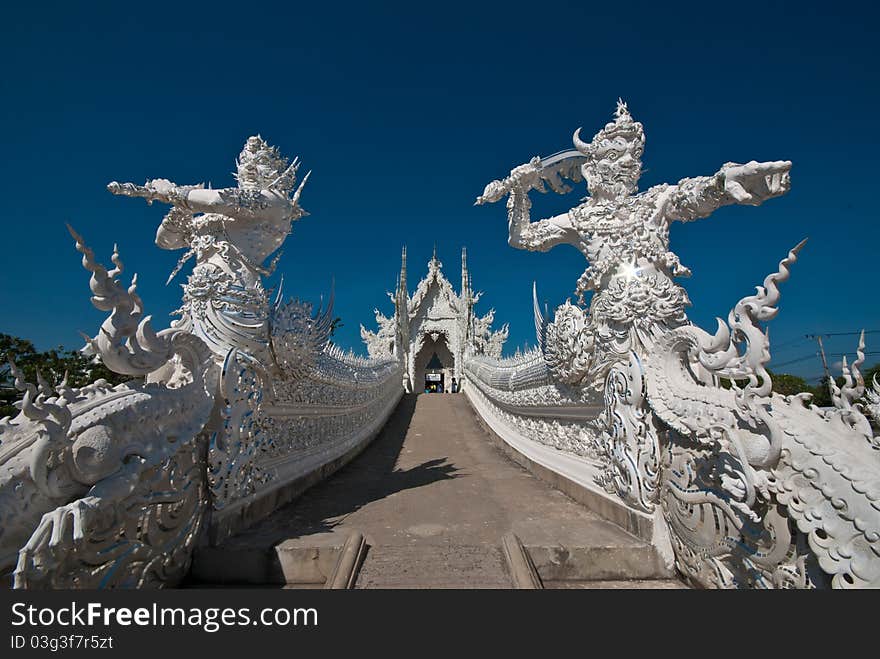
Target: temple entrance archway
(434,365)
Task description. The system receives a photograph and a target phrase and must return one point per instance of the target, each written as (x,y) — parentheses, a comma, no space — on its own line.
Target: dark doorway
(434,366)
(434,380)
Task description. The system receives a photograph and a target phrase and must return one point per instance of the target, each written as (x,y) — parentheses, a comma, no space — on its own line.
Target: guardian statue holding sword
(624,236)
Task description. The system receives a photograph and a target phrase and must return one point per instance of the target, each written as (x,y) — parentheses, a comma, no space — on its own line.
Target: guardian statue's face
(261,167)
(614,170)
(615,156)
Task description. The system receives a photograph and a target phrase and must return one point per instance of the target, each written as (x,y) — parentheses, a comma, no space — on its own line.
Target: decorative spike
(45,389)
(465,276)
(402,288)
(296,195)
(540,319)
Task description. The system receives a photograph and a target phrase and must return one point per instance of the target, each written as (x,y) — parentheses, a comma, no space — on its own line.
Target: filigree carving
(629,446)
(719,543)
(487,341)
(298,335)
(749,452)
(104,486)
(107,487)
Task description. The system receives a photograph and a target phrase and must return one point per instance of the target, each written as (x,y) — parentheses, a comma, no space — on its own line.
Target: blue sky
(405,110)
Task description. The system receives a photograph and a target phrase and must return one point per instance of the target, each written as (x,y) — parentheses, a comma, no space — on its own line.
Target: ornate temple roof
(436,280)
(434,308)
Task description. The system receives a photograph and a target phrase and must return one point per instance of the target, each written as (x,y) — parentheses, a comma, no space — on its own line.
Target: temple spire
(465,278)
(401,286)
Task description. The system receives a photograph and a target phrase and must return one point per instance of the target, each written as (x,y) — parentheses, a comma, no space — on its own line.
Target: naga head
(262,167)
(615,156)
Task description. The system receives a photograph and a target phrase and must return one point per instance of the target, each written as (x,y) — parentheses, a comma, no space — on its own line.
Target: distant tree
(789,385)
(23,352)
(52,365)
(871,373)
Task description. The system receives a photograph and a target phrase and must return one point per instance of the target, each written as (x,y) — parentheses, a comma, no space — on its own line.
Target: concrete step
(304,561)
(434,566)
(621,584)
(597,562)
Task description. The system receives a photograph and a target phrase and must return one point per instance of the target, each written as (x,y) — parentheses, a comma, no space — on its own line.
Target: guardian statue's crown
(262,167)
(621,134)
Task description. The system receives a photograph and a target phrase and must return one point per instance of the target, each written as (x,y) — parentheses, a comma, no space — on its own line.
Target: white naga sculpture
(113,486)
(755,489)
(625,238)
(101,486)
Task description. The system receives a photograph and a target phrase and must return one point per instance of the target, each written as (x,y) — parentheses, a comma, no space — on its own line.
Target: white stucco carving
(625,237)
(81,468)
(689,425)
(113,486)
(104,487)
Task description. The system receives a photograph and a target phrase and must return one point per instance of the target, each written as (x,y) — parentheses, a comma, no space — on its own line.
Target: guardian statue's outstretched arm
(750,184)
(267,191)
(235,203)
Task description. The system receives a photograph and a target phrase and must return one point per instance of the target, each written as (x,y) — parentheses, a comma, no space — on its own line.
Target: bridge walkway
(433,496)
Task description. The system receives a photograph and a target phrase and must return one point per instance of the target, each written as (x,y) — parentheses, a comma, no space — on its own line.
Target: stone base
(311,560)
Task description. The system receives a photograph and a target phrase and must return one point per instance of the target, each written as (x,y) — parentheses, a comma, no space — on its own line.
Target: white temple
(660,427)
(436,330)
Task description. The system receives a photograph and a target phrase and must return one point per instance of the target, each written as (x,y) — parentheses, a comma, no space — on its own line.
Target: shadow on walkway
(369,477)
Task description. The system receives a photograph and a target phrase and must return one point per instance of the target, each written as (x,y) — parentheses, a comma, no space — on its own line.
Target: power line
(806,357)
(785,344)
(793,361)
(856,333)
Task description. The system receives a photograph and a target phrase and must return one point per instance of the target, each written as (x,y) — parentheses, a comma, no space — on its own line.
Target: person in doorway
(454,386)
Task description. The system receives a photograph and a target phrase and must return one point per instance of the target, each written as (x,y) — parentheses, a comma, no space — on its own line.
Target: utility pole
(828,380)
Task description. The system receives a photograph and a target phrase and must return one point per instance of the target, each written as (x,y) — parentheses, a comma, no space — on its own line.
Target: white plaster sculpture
(268,352)
(742,465)
(625,237)
(231,232)
(755,489)
(102,486)
(113,487)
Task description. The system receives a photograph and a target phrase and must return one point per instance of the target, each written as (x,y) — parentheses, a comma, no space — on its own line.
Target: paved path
(433,496)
